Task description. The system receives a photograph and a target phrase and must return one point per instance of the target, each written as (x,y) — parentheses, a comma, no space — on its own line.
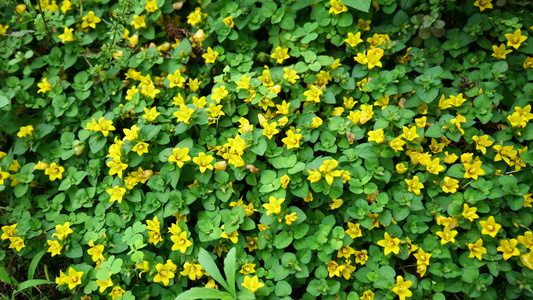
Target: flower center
(490,227)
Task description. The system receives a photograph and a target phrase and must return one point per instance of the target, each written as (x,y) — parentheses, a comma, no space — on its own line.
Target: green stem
(44,20)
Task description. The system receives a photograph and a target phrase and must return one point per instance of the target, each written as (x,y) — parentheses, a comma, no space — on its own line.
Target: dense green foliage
(304,149)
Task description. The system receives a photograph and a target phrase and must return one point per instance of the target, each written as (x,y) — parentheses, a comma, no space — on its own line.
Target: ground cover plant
(343,149)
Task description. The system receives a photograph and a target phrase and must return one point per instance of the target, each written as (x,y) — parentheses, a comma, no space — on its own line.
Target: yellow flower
(203,161)
(3,29)
(274,205)
(179,156)
(527,260)
(367,295)
(290,76)
(9,231)
(25,130)
(150,114)
(138,22)
(361,257)
(62,231)
(211,284)
(515,39)
(473,170)
(410,246)
(390,244)
(434,167)
(54,171)
(469,212)
(280,54)
(251,243)
(422,257)
(490,227)
(151,6)
(184,114)
(376,136)
(17,243)
(67,35)
(90,20)
(401,168)
(402,288)
(194,271)
(134,40)
(364,24)
(397,143)
(195,17)
(421,122)
(116,193)
(252,283)
(153,225)
(500,52)
(354,230)
(181,242)
(176,79)
(316,122)
(165,272)
(155,237)
(483,4)
(409,133)
(210,56)
(447,235)
(117,291)
(528,63)
(421,269)
(140,148)
(292,140)
(96,251)
(414,185)
(73,278)
(116,167)
(509,248)
(336,203)
(103,285)
(44,86)
(285,179)
(334,269)
(198,102)
(354,39)
(337,7)
(247,269)
(526,239)
(143,266)
(450,185)
(131,134)
(345,251)
(228,21)
(476,249)
(194,84)
(482,142)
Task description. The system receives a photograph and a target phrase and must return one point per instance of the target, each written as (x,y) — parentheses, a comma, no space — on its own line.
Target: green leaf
(34,263)
(31,283)
(282,240)
(283,288)
(230,268)
(3,101)
(362,5)
(203,293)
(207,262)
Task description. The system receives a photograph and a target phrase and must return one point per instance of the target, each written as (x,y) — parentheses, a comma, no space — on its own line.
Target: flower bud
(21,8)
